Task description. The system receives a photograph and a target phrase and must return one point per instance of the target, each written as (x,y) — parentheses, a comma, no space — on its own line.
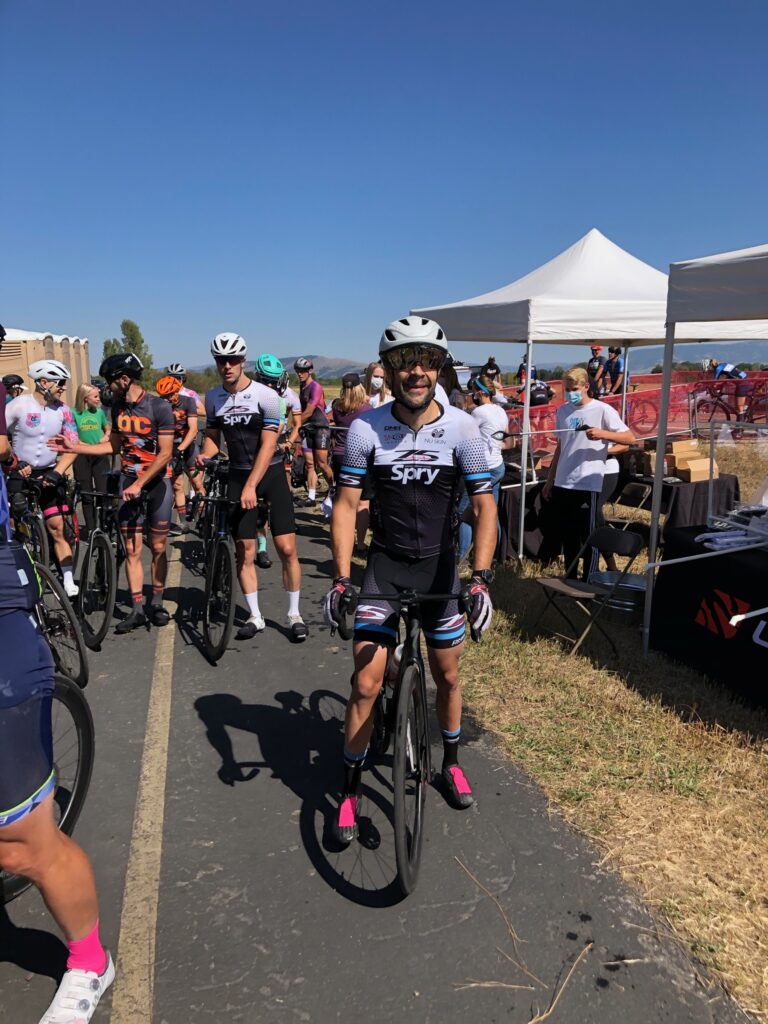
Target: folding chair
(592,598)
(633,495)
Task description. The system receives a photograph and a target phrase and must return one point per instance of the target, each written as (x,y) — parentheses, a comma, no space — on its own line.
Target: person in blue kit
(613,372)
(727,371)
(30,843)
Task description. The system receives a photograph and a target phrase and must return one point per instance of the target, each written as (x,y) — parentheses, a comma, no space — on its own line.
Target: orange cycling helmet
(168,386)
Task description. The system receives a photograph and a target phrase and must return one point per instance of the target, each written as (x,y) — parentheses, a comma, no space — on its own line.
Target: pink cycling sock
(87,954)
(347,812)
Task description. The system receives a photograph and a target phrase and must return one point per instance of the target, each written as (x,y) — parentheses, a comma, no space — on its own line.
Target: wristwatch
(486,575)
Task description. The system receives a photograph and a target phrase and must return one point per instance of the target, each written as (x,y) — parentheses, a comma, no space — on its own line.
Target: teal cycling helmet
(270,371)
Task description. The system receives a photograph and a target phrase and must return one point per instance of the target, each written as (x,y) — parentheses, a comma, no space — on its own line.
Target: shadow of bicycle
(301,741)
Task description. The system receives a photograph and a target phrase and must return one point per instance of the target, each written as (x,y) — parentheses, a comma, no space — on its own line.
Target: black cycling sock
(450,747)
(353,769)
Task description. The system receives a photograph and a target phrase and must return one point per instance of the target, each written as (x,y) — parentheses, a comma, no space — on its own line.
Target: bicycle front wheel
(61,628)
(219,609)
(410,776)
(98,587)
(73,753)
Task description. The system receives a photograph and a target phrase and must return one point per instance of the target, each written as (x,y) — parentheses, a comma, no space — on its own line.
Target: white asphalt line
(133,993)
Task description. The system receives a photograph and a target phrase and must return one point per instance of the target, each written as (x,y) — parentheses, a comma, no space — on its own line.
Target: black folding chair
(592,598)
(632,495)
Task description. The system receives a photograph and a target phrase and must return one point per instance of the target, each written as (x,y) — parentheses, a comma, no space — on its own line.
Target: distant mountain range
(642,360)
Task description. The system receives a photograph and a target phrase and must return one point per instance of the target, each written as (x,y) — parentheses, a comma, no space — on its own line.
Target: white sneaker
(254,625)
(297,627)
(71,589)
(78,996)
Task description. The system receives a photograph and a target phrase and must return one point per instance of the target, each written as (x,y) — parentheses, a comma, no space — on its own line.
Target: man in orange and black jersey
(142,434)
(184,409)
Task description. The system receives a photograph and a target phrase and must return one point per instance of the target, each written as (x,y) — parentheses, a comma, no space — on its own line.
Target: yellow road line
(133,992)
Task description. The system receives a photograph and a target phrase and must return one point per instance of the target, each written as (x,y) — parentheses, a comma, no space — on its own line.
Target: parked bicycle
(401,718)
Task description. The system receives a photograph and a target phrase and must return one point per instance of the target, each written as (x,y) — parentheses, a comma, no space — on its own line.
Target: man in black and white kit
(247,413)
(416,451)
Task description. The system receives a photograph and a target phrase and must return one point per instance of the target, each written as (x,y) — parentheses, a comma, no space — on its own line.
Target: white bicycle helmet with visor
(411,340)
(228,344)
(177,370)
(48,369)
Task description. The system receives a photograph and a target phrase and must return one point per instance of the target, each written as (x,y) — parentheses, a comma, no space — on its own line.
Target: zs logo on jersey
(417,455)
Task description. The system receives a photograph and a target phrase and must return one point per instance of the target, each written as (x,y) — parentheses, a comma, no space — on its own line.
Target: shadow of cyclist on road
(300,743)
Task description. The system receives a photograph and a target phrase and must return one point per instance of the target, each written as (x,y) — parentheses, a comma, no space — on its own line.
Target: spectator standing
(614,371)
(450,382)
(491,419)
(351,403)
(375,386)
(92,428)
(522,371)
(595,370)
(575,481)
(491,371)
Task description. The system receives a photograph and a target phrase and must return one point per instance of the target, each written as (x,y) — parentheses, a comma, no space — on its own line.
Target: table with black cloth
(684,504)
(693,603)
(541,537)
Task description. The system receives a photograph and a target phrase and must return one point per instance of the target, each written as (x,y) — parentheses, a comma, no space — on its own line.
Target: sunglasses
(408,356)
(229,360)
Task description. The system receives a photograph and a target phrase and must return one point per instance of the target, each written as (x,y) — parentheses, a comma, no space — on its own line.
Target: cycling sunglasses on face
(229,360)
(408,356)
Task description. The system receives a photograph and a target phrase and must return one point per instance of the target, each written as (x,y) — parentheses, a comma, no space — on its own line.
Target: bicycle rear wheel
(98,587)
(73,753)
(61,628)
(410,776)
(219,609)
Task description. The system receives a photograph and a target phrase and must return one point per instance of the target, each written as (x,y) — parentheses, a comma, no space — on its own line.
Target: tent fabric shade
(727,286)
(593,290)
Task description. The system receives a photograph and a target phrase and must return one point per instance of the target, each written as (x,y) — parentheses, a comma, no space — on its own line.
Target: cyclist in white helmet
(32,421)
(415,451)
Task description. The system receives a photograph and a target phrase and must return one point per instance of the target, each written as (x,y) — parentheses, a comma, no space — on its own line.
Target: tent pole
(624,384)
(661,444)
(525,445)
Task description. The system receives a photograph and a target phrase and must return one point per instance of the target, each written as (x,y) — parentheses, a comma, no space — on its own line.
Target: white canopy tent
(593,290)
(729,287)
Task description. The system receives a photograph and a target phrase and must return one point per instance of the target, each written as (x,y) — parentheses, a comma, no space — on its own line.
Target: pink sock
(87,954)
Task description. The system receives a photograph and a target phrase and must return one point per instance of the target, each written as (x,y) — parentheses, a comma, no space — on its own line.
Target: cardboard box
(697,470)
(649,464)
(689,448)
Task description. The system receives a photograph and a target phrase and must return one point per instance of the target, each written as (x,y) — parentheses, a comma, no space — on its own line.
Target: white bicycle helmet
(705,364)
(412,330)
(176,370)
(48,369)
(228,344)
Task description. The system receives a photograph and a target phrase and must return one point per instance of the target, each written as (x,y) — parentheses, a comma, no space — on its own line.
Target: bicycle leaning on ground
(401,717)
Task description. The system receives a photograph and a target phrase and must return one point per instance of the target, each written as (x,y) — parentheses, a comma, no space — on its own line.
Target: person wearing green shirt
(90,470)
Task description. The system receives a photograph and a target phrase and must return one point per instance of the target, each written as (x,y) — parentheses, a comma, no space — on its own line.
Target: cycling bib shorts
(376,620)
(159,504)
(274,490)
(26,693)
(315,438)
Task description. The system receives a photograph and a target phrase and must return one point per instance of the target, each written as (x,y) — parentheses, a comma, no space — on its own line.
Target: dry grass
(664,771)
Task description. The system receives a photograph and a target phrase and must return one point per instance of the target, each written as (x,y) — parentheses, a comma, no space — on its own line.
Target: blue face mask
(574,397)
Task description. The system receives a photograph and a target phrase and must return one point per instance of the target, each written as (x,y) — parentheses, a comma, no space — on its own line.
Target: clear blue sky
(303,172)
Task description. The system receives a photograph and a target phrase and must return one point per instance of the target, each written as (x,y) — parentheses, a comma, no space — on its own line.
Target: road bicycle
(29,521)
(58,622)
(715,401)
(73,755)
(104,554)
(401,717)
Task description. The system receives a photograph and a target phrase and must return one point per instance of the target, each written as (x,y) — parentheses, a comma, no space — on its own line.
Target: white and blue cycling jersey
(415,476)
(242,416)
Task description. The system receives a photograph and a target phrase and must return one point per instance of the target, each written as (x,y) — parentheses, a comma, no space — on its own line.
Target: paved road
(225,899)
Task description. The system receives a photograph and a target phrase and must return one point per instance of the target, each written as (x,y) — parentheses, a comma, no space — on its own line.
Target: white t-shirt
(375,399)
(611,465)
(31,425)
(581,463)
(490,419)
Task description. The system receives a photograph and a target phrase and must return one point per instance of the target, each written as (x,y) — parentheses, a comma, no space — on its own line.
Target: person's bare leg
(36,849)
(370,666)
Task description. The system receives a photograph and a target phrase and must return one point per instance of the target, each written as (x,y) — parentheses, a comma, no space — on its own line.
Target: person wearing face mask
(32,421)
(375,386)
(586,429)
